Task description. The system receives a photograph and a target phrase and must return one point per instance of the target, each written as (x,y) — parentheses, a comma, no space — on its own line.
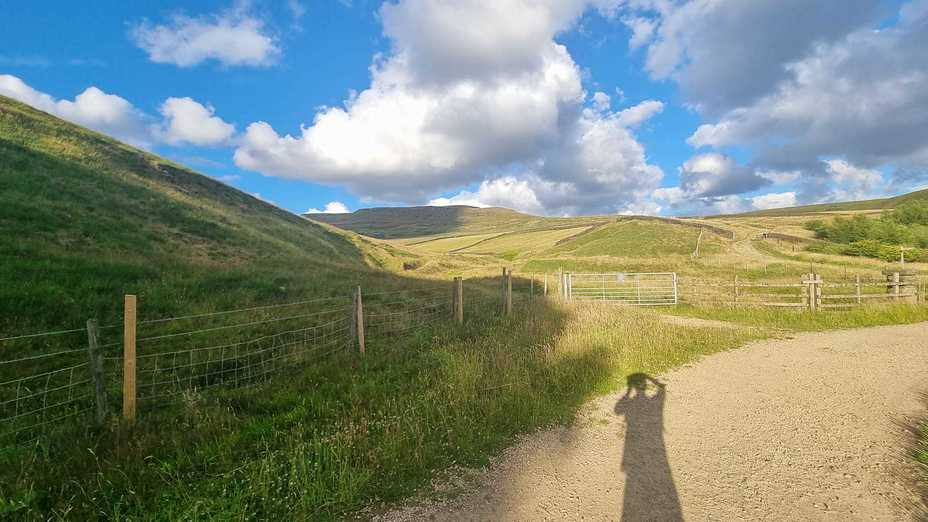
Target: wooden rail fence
(811,292)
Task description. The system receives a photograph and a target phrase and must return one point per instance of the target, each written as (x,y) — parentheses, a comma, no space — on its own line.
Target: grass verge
(348,433)
(793,320)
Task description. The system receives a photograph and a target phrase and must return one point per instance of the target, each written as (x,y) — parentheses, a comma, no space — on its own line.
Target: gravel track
(807,428)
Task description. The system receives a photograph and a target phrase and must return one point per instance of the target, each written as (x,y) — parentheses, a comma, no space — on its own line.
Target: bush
(866,247)
(818,226)
(910,213)
(889,253)
(881,238)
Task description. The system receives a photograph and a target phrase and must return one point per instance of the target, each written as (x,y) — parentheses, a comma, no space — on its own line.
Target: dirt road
(799,429)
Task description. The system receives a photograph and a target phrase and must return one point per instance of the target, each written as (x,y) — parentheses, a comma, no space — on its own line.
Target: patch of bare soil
(808,428)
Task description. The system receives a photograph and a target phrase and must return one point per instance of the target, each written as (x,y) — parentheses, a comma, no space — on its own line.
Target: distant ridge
(423,221)
(428,221)
(848,206)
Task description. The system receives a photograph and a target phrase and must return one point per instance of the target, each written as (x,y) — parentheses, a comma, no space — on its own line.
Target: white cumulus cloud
(232,37)
(634,116)
(187,121)
(466,96)
(332,207)
(507,192)
(774,200)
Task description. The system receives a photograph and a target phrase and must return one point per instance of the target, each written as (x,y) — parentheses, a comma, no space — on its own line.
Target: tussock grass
(919,452)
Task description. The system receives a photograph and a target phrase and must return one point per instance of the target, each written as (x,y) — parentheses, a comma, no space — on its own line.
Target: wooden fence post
(531,286)
(357,321)
(857,288)
(457,300)
(130,311)
(818,291)
(805,292)
(546,285)
(734,288)
(508,291)
(95,365)
(811,291)
(896,292)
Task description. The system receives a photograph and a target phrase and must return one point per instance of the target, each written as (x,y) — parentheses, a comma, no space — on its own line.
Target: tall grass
(919,451)
(350,432)
(795,320)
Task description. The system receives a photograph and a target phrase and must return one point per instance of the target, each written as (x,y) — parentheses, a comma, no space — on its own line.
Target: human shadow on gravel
(650,493)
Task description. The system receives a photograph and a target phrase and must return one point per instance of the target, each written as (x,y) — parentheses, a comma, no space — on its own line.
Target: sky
(557,107)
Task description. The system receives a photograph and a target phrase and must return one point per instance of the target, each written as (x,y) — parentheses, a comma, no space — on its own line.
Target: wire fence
(48,380)
(44,382)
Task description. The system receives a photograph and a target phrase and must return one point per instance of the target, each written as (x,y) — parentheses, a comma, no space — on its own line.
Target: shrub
(881,238)
(910,213)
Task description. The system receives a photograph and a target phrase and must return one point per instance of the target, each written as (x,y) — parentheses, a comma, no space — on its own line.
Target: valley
(254,396)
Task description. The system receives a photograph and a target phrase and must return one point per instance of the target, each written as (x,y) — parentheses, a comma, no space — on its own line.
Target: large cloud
(726,53)
(448,41)
(467,96)
(862,99)
(712,182)
(863,96)
(713,174)
(824,96)
(232,37)
(506,192)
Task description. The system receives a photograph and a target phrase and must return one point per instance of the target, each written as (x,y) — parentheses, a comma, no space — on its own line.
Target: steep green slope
(420,222)
(84,219)
(637,238)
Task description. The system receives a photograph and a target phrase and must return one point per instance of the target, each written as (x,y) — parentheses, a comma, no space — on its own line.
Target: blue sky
(728,105)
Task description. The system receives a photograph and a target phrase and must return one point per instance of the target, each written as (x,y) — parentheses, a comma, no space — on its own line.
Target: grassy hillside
(85,219)
(637,239)
(421,222)
(847,206)
(623,243)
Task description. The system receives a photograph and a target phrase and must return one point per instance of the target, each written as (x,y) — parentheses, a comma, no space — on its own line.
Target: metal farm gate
(638,289)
